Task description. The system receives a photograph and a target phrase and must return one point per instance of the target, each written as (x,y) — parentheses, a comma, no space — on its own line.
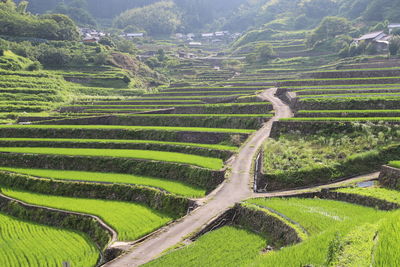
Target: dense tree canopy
(14,21)
(159,18)
(329,28)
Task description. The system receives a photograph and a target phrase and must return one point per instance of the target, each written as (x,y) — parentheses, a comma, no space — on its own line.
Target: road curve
(235,189)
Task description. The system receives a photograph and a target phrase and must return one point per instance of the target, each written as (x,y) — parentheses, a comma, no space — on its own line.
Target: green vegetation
(227,246)
(15,21)
(327,222)
(387,247)
(352,111)
(27,140)
(56,245)
(355,119)
(178,129)
(395,164)
(374,192)
(298,159)
(130,220)
(159,18)
(175,187)
(206,162)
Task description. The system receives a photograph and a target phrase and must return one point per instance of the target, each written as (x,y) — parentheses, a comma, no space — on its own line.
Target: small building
(195,44)
(393,27)
(216,41)
(207,35)
(219,34)
(371,37)
(179,36)
(132,35)
(182,54)
(380,39)
(235,35)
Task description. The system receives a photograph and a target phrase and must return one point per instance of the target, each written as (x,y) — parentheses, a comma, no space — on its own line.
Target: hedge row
(345,114)
(233,109)
(155,199)
(223,154)
(338,82)
(188,174)
(346,104)
(176,121)
(355,74)
(325,127)
(363,163)
(168,136)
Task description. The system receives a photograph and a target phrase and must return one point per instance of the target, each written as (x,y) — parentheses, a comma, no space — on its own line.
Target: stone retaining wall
(270,227)
(390,177)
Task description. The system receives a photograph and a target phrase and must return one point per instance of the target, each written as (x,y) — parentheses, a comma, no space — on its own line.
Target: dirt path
(236,188)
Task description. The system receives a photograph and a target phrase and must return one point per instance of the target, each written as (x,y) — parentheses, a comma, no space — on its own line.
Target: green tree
(159,18)
(107,41)
(265,52)
(328,29)
(22,6)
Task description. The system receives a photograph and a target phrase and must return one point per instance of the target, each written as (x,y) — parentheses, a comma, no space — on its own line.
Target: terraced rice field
(374,192)
(175,187)
(367,94)
(227,246)
(123,127)
(324,221)
(20,247)
(114,141)
(130,220)
(205,162)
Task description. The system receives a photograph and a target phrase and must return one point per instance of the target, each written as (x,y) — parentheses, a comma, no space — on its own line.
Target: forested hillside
(234,15)
(195,14)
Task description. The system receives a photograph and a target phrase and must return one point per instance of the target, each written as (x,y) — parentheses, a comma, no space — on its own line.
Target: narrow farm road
(235,189)
(356,179)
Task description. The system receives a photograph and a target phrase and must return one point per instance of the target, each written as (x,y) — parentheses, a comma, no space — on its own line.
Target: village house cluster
(211,37)
(380,39)
(93,36)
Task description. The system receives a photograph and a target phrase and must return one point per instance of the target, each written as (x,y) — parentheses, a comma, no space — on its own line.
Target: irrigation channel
(236,188)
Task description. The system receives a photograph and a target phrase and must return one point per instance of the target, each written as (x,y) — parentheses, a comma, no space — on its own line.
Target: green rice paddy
(130,220)
(205,162)
(29,244)
(175,187)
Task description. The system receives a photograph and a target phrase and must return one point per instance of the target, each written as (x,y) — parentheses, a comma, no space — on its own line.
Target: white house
(132,35)
(195,44)
(207,35)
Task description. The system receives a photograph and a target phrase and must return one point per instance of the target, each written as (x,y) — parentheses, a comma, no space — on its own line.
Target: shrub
(35,66)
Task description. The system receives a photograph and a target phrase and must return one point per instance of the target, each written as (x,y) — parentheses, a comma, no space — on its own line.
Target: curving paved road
(235,189)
